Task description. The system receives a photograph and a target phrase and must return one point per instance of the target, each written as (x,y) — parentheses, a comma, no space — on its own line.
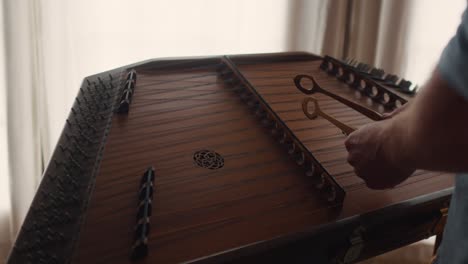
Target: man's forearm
(432,133)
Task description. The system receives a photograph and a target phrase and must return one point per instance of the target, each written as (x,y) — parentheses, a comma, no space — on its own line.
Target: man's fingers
(351,141)
(348,144)
(394,112)
(360,157)
(376,185)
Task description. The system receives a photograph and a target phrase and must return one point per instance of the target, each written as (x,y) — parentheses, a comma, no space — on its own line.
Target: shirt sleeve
(453,63)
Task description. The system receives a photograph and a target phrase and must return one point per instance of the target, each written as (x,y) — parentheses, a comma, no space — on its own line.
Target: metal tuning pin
(275,130)
(347,61)
(259,112)
(327,188)
(246,95)
(364,68)
(237,89)
(331,194)
(267,122)
(253,104)
(43,258)
(145,196)
(231,81)
(299,158)
(127,93)
(321,181)
(132,75)
(353,63)
(284,139)
(324,65)
(291,148)
(404,84)
(225,73)
(391,79)
(407,86)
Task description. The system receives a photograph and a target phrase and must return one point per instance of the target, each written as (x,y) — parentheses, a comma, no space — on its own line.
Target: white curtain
(4,170)
(23,111)
(372,32)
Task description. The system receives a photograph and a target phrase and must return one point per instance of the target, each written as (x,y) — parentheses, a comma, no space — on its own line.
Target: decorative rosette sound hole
(208,159)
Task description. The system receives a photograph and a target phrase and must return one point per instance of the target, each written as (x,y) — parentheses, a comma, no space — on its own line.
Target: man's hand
(373,157)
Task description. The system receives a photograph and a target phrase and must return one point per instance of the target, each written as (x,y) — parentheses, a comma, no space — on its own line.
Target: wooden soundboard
(213,160)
